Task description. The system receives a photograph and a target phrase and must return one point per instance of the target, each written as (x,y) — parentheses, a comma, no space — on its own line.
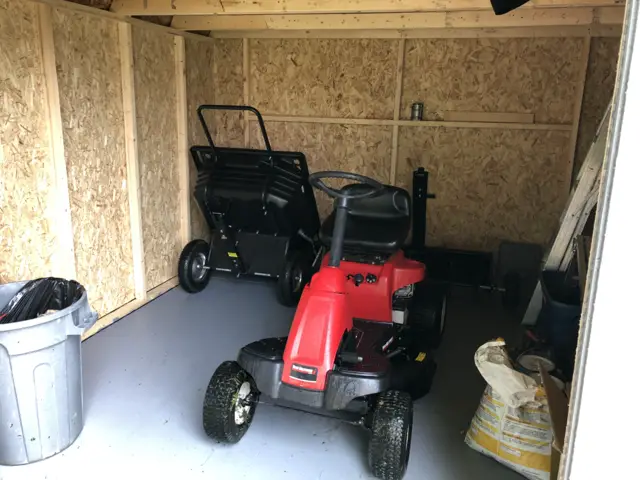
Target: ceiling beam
(400,21)
(274,7)
(509,32)
(609,15)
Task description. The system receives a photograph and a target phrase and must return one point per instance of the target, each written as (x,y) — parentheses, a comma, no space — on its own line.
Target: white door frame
(604,420)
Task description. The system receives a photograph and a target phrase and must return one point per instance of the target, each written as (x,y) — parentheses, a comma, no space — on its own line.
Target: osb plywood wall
(227,83)
(200,90)
(324,78)
(27,222)
(507,75)
(490,185)
(598,91)
(67,125)
(155,100)
(214,76)
(356,148)
(88,64)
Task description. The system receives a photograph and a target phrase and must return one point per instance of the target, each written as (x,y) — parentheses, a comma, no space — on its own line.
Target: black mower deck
(403,366)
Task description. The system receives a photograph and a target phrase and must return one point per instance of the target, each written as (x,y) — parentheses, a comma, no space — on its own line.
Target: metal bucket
(41,381)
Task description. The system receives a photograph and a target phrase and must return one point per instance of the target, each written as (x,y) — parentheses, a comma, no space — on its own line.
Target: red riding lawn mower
(359,348)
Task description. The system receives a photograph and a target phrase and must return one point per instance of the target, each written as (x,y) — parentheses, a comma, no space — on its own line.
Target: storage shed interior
(99,112)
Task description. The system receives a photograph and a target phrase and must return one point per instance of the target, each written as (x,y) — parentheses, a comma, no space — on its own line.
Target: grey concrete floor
(145,378)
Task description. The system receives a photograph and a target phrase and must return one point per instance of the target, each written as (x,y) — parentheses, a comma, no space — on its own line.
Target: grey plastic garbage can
(41,381)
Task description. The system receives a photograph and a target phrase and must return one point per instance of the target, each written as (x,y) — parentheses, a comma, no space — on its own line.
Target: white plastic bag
(512,423)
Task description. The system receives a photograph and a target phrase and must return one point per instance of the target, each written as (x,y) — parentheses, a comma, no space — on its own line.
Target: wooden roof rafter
(549,17)
(275,7)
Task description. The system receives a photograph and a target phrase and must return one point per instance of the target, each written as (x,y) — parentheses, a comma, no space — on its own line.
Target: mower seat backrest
(392,202)
(378,224)
(256,190)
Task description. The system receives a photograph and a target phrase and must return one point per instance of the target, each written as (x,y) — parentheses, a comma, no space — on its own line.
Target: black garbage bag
(38,296)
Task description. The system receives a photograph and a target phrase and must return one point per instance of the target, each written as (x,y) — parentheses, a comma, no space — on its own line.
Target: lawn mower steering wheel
(315,179)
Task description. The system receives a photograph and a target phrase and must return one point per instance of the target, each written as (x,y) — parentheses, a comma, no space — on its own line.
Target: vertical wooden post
(183,145)
(577,110)
(396,113)
(245,78)
(131,149)
(65,260)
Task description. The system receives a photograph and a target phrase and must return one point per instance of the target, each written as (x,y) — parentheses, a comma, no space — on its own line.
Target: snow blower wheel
(295,275)
(193,271)
(229,403)
(390,442)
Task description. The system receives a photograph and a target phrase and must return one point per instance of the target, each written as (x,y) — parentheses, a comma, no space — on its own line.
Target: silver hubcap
(198,267)
(242,406)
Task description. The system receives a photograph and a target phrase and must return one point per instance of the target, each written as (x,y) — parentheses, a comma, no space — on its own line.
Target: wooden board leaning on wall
(598,90)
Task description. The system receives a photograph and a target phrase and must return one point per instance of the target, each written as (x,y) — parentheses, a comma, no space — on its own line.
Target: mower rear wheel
(295,274)
(390,442)
(229,403)
(428,316)
(193,271)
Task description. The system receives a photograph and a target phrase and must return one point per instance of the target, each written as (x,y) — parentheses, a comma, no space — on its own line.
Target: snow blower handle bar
(233,108)
(341,204)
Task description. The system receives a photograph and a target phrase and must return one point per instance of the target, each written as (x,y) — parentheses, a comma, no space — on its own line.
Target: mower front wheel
(193,271)
(390,442)
(229,403)
(294,276)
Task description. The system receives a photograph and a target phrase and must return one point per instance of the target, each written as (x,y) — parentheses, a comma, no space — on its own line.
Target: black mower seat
(379,223)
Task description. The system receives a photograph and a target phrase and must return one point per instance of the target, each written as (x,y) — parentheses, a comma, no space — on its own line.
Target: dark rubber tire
(190,253)
(428,315)
(218,412)
(390,442)
(289,288)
